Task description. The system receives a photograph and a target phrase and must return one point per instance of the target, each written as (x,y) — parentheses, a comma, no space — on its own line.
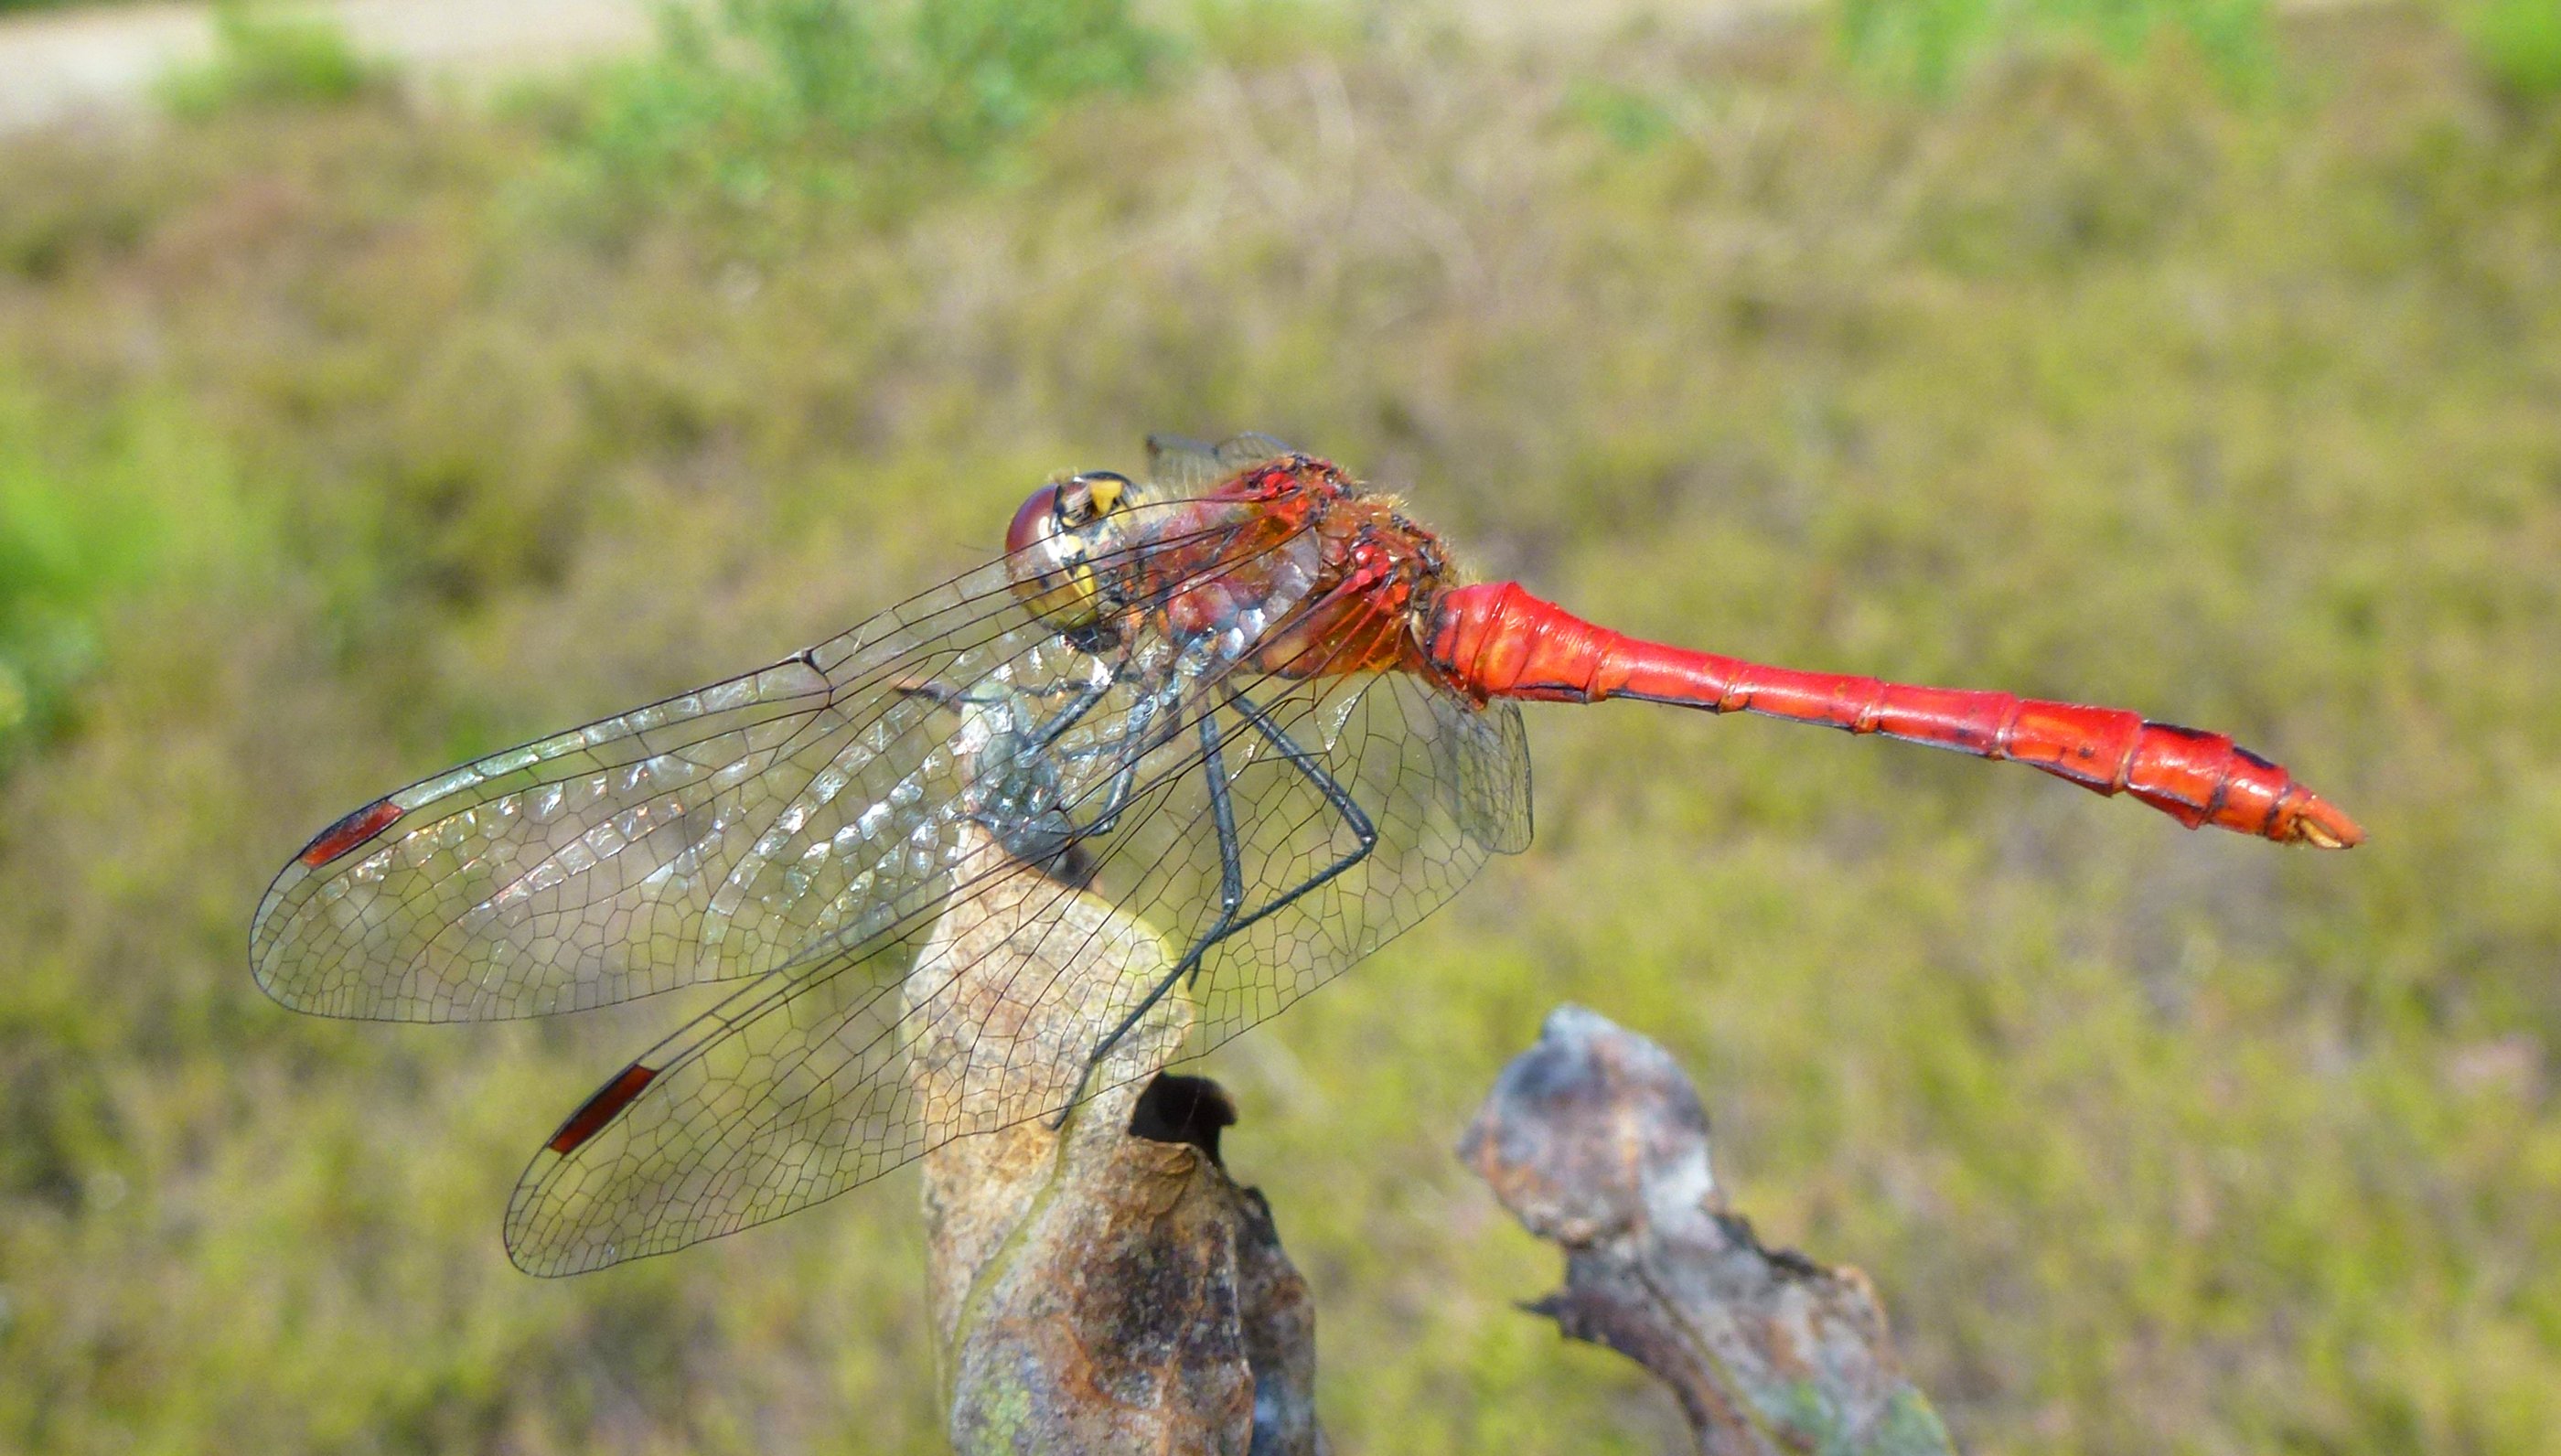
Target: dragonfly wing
(715,835)
(784,1092)
(711,836)
(1251,448)
(835,1069)
(1180,467)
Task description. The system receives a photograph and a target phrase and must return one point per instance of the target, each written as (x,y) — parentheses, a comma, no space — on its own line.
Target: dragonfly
(1247,701)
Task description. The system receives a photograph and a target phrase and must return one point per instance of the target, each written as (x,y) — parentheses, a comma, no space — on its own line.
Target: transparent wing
(1181,463)
(712,835)
(837,1068)
(1251,448)
(1183,466)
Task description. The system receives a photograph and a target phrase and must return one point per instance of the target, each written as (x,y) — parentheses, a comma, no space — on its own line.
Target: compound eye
(1033,523)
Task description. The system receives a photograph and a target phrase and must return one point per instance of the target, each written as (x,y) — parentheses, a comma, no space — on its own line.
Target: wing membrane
(838,1069)
(1183,466)
(712,835)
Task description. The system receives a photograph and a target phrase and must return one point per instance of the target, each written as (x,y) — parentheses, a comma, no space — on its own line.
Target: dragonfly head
(1061,550)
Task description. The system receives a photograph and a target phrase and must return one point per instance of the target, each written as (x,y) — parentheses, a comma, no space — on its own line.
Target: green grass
(268,58)
(2518,41)
(1934,46)
(340,451)
(95,506)
(766,104)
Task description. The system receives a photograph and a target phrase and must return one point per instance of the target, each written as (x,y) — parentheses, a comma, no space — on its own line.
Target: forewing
(712,835)
(835,1070)
(571,871)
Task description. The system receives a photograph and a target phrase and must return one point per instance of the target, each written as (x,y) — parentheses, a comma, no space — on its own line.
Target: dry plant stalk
(1596,1142)
(1100,1285)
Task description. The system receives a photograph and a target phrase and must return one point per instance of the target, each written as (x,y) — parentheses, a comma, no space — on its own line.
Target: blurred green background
(2188,355)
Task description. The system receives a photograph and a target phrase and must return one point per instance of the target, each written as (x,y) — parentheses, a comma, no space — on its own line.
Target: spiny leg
(1231,870)
(1147,738)
(1230,897)
(1326,784)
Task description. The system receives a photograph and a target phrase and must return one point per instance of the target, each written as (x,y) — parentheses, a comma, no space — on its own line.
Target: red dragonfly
(1245,702)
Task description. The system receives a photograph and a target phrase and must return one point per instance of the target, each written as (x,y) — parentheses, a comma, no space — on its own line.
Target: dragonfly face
(1062,545)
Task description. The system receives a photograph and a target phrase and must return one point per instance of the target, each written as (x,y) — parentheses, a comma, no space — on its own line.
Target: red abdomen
(1498,641)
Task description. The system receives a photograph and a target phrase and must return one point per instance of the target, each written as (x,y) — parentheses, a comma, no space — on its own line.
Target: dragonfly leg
(1231,899)
(1231,870)
(1148,739)
(1326,784)
(1116,799)
(1072,715)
